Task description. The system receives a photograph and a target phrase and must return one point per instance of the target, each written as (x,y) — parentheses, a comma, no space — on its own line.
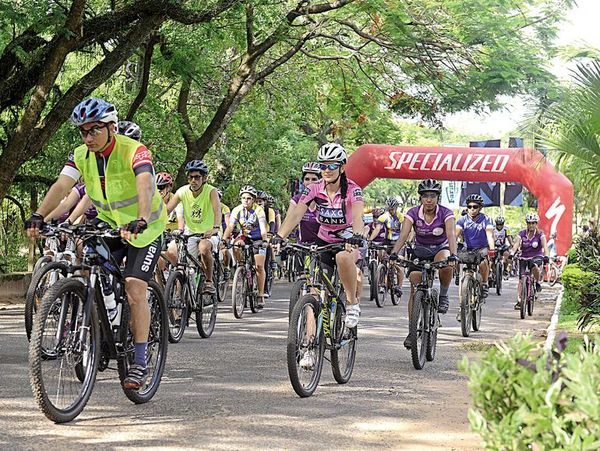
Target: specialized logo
(149,258)
(555,211)
(434,161)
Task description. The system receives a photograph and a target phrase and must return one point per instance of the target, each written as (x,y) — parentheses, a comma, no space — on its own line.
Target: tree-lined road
(232,390)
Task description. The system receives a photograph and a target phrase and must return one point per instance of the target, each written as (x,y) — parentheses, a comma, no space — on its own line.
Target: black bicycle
(73,338)
(496,277)
(318,323)
(185,293)
(470,292)
(305,278)
(424,319)
(386,277)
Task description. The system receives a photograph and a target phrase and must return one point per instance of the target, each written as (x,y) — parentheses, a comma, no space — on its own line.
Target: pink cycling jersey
(330,214)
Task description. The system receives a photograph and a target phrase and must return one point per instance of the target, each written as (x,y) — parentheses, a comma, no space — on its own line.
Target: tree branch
(249,27)
(143,91)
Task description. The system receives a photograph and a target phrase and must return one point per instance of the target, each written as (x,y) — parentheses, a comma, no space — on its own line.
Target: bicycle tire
(252,295)
(531,301)
(238,292)
(177,305)
(499,276)
(392,282)
(38,354)
(344,338)
(206,315)
(554,275)
(381,283)
(433,329)
(297,291)
(416,328)
(523,297)
(35,292)
(158,339)
(40,262)
(466,293)
(294,342)
(373,279)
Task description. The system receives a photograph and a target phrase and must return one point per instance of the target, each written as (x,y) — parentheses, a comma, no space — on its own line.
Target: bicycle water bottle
(108,292)
(193,278)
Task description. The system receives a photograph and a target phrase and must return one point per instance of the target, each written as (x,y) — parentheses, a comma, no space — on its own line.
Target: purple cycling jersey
(330,214)
(474,230)
(91,212)
(380,238)
(309,226)
(531,247)
(433,233)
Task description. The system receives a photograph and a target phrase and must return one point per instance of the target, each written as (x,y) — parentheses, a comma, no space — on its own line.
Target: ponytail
(343,191)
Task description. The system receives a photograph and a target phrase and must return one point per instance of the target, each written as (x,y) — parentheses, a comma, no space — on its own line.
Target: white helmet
(332,152)
(532,217)
(249,190)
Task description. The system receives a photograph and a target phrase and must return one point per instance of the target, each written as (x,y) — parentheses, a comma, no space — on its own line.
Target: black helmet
(430,185)
(475,198)
(196,165)
(261,195)
(391,202)
(500,220)
(130,129)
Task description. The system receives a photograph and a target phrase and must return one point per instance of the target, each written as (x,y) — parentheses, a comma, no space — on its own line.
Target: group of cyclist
(111,178)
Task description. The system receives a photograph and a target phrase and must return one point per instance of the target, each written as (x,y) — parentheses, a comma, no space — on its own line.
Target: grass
(476,346)
(568,322)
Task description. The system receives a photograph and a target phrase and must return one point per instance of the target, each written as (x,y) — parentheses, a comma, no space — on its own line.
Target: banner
(490,191)
(513,192)
(451,194)
(486,143)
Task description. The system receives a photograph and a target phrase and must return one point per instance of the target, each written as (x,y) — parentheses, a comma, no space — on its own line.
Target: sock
(443,290)
(140,354)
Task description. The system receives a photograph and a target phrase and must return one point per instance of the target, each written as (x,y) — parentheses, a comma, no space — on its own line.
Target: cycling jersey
(271,219)
(531,247)
(172,223)
(500,236)
(197,210)
(309,226)
(224,211)
(248,221)
(391,225)
(91,212)
(474,230)
(380,238)
(333,215)
(433,233)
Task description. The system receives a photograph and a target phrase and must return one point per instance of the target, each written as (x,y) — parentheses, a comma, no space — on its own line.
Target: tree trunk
(143,91)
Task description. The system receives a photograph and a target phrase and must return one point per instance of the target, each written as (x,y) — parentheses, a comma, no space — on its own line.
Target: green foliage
(572,255)
(521,399)
(577,283)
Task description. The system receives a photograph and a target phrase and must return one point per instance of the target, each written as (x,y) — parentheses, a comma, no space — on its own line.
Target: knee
(136,290)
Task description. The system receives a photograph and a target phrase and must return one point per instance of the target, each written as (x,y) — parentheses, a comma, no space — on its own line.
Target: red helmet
(164,178)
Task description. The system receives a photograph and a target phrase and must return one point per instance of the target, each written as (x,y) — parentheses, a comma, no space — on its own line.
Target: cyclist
(390,222)
(476,229)
(339,203)
(118,174)
(249,222)
(271,203)
(202,214)
(225,214)
(309,225)
(501,238)
(532,243)
(264,200)
(435,240)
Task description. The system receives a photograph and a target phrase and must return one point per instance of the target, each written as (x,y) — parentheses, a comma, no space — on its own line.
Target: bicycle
(386,277)
(73,337)
(470,292)
(244,292)
(304,278)
(185,293)
(526,292)
(318,323)
(373,264)
(496,276)
(424,319)
(555,268)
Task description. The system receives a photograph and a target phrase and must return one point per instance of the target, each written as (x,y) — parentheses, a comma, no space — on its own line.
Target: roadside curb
(551,331)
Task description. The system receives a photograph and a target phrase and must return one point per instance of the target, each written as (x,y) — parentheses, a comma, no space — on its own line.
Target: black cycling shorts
(425,252)
(537,261)
(141,261)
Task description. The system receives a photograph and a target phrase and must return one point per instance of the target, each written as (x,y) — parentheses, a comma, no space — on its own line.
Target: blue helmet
(196,165)
(94,110)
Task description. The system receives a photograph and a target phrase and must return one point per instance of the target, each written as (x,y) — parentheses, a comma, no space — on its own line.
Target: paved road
(232,390)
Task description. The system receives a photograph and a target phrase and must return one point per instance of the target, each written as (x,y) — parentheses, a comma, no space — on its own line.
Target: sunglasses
(194,177)
(311,179)
(329,166)
(247,198)
(532,222)
(93,131)
(473,207)
(429,195)
(162,187)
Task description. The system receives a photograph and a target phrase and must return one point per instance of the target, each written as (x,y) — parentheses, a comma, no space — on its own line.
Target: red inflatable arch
(526,166)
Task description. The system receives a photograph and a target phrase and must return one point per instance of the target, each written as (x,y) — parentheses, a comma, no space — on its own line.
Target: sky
(580,28)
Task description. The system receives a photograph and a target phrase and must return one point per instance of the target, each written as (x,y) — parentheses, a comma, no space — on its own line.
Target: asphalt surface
(232,391)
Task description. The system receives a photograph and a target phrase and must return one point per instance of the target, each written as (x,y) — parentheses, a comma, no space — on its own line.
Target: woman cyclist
(249,220)
(339,204)
(532,243)
(309,226)
(435,240)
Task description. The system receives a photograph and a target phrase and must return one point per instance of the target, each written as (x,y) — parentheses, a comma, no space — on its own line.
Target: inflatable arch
(471,164)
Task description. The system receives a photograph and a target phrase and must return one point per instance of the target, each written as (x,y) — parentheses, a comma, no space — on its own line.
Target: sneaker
(397,291)
(485,290)
(408,341)
(136,377)
(209,288)
(352,316)
(307,362)
(443,305)
(518,305)
(208,300)
(538,287)
(260,302)
(381,290)
(226,274)
(267,295)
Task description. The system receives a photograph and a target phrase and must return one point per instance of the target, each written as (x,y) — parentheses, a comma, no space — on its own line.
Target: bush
(572,255)
(577,283)
(523,400)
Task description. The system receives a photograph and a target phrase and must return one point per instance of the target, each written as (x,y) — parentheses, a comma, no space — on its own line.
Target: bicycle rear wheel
(343,352)
(176,293)
(302,339)
(62,369)
(238,292)
(499,275)
(251,293)
(531,295)
(523,296)
(373,280)
(466,301)
(46,276)
(417,329)
(156,354)
(554,275)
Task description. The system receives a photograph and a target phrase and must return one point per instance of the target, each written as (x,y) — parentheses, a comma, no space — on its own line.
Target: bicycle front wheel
(373,280)
(466,301)
(499,276)
(238,292)
(177,294)
(343,352)
(156,354)
(302,342)
(206,315)
(531,300)
(417,328)
(298,290)
(62,368)
(381,285)
(524,295)
(433,326)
